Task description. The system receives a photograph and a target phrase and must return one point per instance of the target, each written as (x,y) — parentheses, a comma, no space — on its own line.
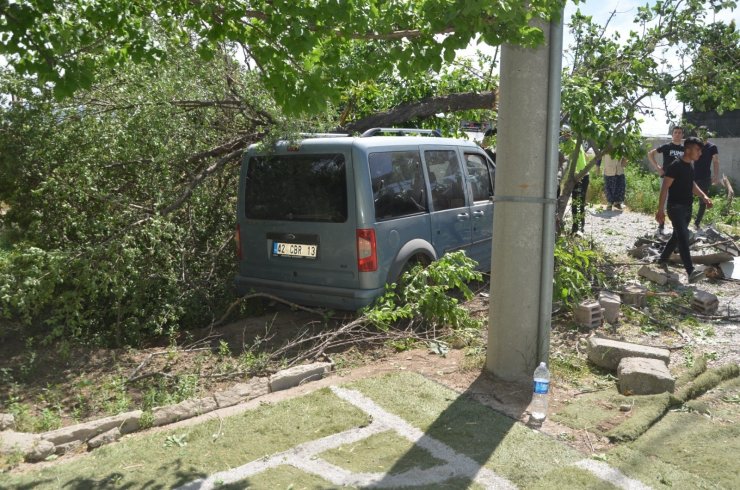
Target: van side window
(445,179)
(481,176)
(398,184)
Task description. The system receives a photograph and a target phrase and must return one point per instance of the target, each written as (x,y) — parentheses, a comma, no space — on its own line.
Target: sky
(625,10)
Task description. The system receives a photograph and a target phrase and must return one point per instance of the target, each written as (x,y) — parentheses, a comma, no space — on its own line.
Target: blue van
(328,221)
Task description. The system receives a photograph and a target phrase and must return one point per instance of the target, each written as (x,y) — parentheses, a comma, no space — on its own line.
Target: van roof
(368,142)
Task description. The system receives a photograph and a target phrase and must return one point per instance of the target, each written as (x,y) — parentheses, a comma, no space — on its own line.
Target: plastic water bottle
(538,406)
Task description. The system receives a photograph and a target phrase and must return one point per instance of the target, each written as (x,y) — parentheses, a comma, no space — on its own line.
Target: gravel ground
(616,232)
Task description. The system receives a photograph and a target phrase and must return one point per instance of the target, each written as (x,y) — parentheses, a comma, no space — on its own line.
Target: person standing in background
(615,183)
(670,151)
(678,190)
(706,170)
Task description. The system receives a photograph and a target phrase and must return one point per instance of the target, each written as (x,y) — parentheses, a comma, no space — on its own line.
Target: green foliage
(576,270)
(301,47)
(424,294)
(713,81)
(389,91)
(116,232)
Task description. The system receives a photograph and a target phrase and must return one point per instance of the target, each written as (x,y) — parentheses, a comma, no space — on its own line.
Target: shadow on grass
(465,435)
(115,480)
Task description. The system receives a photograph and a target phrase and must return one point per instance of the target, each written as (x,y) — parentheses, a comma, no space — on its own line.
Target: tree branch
(424,108)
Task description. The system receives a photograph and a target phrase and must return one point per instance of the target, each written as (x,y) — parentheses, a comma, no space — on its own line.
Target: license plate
(295,250)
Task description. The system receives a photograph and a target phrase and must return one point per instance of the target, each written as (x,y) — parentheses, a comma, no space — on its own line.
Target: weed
(688,356)
(474,359)
(576,270)
(223,349)
(569,367)
(49,419)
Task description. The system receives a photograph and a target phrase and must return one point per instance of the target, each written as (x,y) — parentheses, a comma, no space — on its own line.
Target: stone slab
(297,375)
(642,376)
(607,353)
(126,423)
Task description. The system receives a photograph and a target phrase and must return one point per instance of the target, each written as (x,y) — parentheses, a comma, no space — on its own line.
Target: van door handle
(478,214)
(463,217)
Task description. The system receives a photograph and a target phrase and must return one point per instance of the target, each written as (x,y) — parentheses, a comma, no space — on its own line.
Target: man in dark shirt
(679,189)
(670,151)
(704,174)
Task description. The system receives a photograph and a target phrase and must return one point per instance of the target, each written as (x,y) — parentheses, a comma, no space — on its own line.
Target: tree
(120,198)
(302,48)
(604,94)
(712,82)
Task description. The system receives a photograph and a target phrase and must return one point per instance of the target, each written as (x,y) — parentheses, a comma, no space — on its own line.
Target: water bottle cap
(542,364)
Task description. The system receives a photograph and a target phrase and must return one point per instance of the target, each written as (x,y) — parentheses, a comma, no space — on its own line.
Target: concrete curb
(104,431)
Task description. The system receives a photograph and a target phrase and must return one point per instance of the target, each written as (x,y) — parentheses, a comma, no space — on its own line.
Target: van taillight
(367,257)
(238,238)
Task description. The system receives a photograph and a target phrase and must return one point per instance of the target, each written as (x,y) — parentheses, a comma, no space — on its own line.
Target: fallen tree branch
(658,322)
(423,109)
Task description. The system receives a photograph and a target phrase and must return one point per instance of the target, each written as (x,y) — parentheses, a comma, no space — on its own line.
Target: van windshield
(297,188)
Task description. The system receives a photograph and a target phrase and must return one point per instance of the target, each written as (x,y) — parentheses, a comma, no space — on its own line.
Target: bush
(576,270)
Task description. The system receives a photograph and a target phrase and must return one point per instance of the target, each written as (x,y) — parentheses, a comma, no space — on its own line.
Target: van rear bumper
(309,294)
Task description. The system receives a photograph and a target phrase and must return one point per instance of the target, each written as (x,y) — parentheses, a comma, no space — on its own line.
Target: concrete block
(7,421)
(589,314)
(610,302)
(183,410)
(298,375)
(242,392)
(641,376)
(105,438)
(31,446)
(635,294)
(658,276)
(126,422)
(607,353)
(705,302)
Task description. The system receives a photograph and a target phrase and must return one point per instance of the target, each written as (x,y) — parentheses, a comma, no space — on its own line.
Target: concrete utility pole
(524,211)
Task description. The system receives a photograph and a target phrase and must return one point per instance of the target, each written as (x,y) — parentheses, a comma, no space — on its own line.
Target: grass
(173,458)
(494,440)
(381,453)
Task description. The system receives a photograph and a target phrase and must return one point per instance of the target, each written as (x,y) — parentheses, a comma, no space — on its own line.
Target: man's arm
(660,215)
(715,170)
(651,158)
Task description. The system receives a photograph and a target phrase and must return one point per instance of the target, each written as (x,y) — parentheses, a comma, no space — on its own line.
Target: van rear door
(451,215)
(297,223)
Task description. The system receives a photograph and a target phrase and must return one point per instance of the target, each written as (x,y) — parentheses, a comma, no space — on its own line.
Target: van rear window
(297,188)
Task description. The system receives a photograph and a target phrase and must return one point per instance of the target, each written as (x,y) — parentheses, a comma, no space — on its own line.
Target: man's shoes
(696,275)
(618,205)
(609,207)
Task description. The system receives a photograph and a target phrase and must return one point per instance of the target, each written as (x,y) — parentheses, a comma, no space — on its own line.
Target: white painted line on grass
(456,465)
(462,466)
(612,475)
